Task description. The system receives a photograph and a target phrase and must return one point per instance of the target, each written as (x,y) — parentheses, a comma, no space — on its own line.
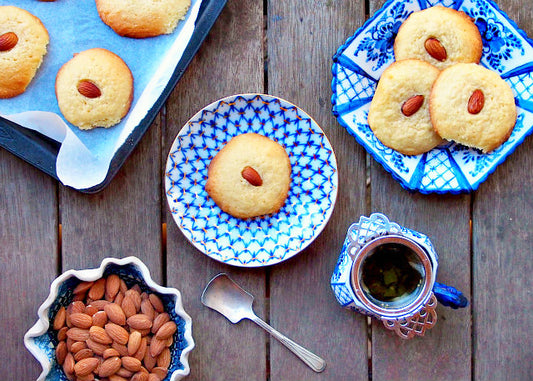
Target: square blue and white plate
(260,241)
(448,168)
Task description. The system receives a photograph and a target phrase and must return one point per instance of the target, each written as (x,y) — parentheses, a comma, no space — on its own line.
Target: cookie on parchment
(399,115)
(439,35)
(250,176)
(142,18)
(473,106)
(23,42)
(94,89)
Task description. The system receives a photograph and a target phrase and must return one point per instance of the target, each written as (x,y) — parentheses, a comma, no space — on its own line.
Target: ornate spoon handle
(313,361)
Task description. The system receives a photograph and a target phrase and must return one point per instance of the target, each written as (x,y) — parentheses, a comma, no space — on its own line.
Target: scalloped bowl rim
(42,324)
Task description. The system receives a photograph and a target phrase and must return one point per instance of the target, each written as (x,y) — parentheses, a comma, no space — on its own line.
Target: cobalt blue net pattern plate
(259,241)
(450,167)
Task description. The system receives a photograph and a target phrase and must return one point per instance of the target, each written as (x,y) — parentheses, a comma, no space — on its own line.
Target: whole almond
(8,41)
(100,319)
(157,303)
(153,377)
(157,346)
(476,102)
(76,307)
(110,352)
(86,366)
(140,376)
(100,304)
(252,176)
(82,287)
(68,364)
(115,313)
(78,334)
(81,320)
(123,372)
(412,105)
(435,49)
(78,346)
(59,319)
(99,335)
(119,298)
(159,321)
(134,342)
(61,352)
(141,352)
(163,360)
(139,321)
(97,290)
(110,366)
(149,361)
(147,308)
(117,333)
(121,348)
(91,310)
(96,347)
(83,354)
(89,90)
(62,334)
(128,306)
(112,286)
(166,330)
(131,363)
(136,297)
(123,286)
(160,372)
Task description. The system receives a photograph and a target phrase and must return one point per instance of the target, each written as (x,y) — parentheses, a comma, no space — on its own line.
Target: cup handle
(449,296)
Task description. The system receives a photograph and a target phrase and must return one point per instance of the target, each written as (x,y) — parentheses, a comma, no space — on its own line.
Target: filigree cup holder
(370,247)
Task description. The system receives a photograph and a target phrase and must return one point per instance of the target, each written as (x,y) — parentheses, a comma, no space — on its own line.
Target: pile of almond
(114,333)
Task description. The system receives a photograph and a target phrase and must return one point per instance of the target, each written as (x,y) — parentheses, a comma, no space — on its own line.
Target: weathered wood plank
(502,266)
(229,62)
(29,255)
(122,220)
(444,353)
(302,38)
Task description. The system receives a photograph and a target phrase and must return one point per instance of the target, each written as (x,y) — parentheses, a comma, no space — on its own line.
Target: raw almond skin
(149,361)
(159,321)
(86,366)
(157,303)
(112,286)
(62,334)
(119,298)
(81,320)
(476,102)
(160,372)
(109,367)
(148,309)
(110,352)
(140,376)
(116,377)
(157,346)
(141,352)
(136,298)
(166,330)
(153,377)
(76,307)
(68,364)
(131,363)
(97,290)
(115,313)
(134,342)
(100,304)
(163,360)
(252,176)
(435,49)
(122,349)
(59,320)
(117,333)
(8,41)
(128,306)
(412,105)
(99,335)
(82,287)
(100,319)
(61,352)
(96,347)
(83,354)
(91,310)
(123,372)
(78,334)
(78,346)
(139,321)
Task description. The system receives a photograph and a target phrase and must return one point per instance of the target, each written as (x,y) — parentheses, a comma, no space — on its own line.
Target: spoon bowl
(226,297)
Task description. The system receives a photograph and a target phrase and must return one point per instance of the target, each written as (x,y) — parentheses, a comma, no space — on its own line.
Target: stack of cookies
(437,90)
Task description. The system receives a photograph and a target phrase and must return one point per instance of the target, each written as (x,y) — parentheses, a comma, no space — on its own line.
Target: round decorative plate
(259,241)
(449,168)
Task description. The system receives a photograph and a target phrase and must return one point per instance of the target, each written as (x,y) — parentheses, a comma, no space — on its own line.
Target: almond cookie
(94,89)
(399,115)
(439,35)
(250,176)
(142,18)
(473,106)
(23,41)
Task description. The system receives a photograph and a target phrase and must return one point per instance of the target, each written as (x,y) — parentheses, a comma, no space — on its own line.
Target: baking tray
(41,151)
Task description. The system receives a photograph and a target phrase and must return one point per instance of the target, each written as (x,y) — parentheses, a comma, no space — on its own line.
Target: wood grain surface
(284,48)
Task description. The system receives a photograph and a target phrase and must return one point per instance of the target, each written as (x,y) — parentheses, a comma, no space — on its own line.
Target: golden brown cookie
(23,41)
(473,106)
(142,18)
(439,35)
(250,176)
(94,89)
(399,115)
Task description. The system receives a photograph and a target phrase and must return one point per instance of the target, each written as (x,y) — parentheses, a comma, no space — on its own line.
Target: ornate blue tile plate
(449,168)
(257,241)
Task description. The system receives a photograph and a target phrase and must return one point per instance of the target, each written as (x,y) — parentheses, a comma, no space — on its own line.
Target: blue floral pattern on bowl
(450,167)
(259,241)
(41,339)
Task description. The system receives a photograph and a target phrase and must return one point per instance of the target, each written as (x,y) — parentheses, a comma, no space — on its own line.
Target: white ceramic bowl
(40,339)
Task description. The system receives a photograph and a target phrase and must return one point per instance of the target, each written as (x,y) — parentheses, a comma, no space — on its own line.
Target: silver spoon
(223,295)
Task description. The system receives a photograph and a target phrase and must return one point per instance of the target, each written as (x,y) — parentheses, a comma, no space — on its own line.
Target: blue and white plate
(449,168)
(259,241)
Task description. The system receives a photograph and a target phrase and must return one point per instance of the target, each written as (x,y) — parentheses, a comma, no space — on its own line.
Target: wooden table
(284,48)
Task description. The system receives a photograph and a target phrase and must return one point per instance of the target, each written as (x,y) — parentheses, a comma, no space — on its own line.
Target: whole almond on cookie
(412,105)
(435,49)
(8,41)
(476,102)
(252,176)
